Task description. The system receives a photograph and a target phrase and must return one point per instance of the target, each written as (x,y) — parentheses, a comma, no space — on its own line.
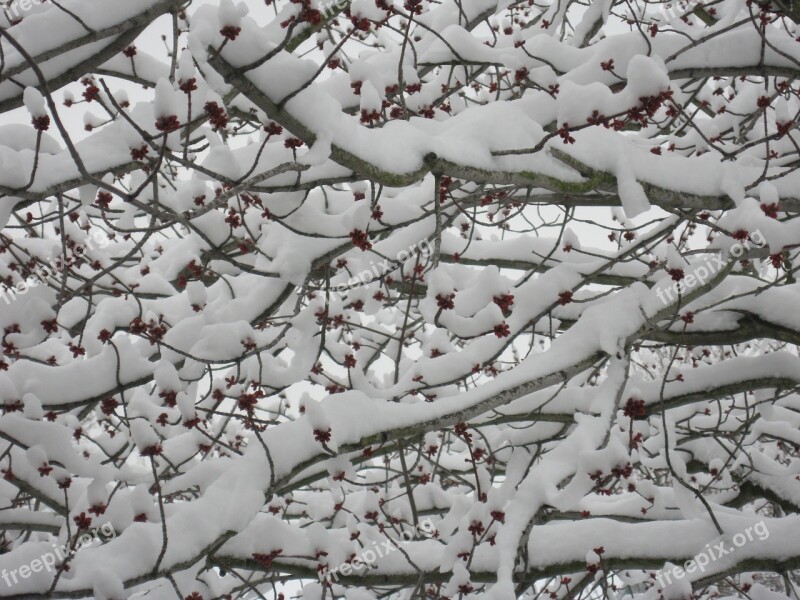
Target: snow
(34,102)
(446,321)
(165,103)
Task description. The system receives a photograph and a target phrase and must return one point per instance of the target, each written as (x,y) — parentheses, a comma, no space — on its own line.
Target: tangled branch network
(399,299)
